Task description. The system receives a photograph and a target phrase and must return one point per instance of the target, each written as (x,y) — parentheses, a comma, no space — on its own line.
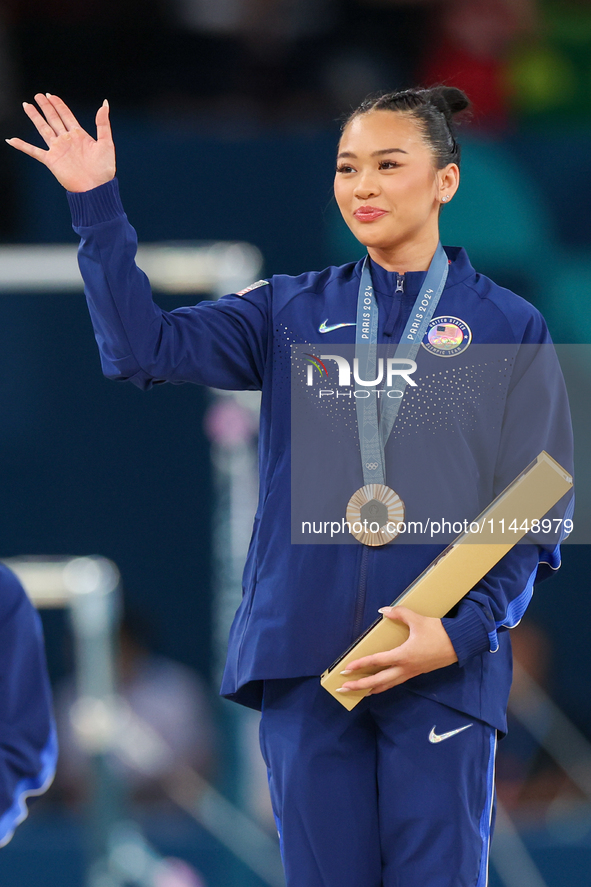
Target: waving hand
(78,161)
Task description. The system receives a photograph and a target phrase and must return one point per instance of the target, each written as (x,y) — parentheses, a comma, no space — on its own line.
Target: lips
(369,213)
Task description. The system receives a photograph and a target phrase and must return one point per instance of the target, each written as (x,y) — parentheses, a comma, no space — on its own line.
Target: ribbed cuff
(98,205)
(467,632)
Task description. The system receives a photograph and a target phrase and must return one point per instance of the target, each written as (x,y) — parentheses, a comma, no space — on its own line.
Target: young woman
(398,791)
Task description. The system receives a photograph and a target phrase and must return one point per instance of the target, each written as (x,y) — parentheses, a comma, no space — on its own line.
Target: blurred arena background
(225,117)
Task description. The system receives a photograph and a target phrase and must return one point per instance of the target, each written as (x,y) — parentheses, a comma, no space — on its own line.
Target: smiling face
(388,189)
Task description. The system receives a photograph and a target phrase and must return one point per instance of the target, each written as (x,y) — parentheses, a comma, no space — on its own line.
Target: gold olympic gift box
(457,569)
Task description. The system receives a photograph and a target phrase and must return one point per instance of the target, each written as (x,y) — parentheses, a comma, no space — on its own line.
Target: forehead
(378,130)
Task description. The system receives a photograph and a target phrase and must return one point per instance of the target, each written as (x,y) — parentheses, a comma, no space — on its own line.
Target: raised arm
(222,344)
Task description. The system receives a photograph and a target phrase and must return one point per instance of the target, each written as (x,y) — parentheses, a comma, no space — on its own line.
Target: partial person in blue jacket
(400,791)
(28,746)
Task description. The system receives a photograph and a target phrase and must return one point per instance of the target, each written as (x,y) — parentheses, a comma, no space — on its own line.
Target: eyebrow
(374,153)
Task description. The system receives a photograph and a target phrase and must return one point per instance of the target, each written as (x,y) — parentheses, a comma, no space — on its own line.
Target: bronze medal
(374,513)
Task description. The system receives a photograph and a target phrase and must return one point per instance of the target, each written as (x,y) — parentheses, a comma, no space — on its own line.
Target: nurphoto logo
(394,368)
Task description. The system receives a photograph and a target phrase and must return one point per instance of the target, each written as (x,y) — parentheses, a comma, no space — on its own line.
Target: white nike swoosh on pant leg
(439,737)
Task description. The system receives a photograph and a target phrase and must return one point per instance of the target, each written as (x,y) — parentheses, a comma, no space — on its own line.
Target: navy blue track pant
(379,796)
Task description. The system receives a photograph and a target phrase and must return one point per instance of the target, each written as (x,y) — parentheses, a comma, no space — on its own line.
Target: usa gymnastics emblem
(447,336)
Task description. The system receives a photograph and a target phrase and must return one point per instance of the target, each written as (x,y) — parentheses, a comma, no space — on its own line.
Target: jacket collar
(384,282)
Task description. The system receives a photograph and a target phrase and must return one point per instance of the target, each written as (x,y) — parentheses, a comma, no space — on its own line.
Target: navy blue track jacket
(304,604)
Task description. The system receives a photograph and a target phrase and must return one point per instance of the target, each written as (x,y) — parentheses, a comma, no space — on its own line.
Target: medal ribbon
(374,432)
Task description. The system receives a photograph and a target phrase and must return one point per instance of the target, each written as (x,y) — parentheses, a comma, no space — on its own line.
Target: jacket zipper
(361,593)
(396,306)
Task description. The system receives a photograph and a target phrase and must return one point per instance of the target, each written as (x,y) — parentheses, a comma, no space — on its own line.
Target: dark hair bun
(448,99)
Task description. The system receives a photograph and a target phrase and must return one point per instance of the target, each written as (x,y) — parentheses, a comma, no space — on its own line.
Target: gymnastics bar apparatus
(89,588)
(177,267)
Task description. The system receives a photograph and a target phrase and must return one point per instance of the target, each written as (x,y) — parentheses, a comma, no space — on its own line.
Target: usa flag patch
(253,286)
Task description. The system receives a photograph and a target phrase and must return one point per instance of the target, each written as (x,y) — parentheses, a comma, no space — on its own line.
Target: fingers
(403,614)
(103,125)
(383,680)
(31,150)
(387,657)
(51,115)
(373,680)
(46,132)
(372,663)
(57,112)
